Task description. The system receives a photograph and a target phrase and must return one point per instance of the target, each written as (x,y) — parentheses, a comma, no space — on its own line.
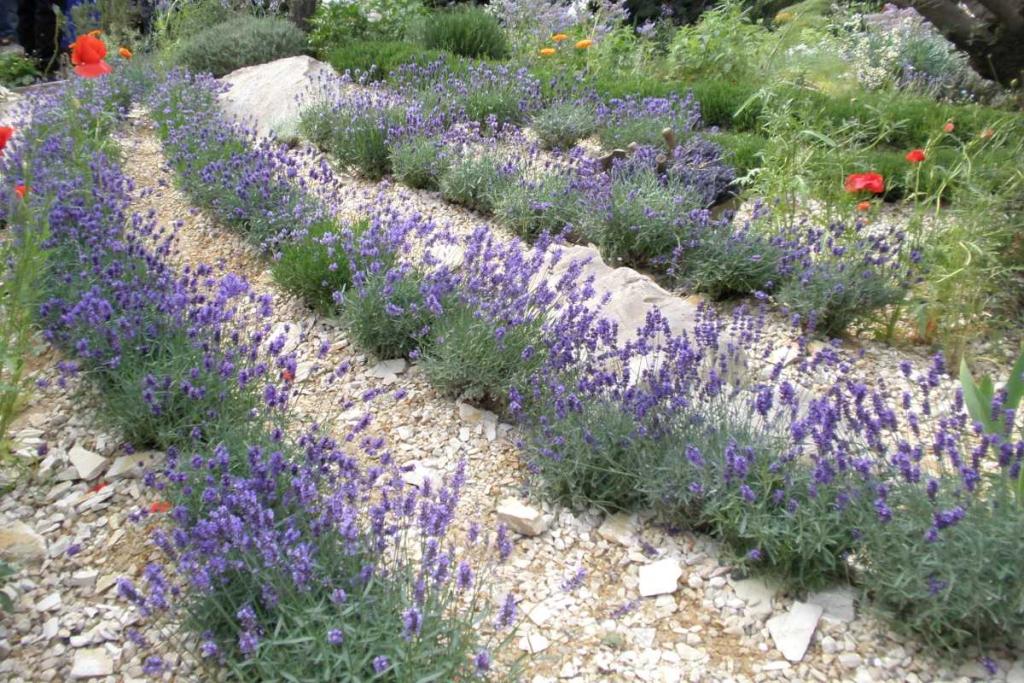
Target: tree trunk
(992,34)
(300,11)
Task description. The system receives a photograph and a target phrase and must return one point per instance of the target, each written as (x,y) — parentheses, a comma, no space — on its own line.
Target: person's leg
(8,22)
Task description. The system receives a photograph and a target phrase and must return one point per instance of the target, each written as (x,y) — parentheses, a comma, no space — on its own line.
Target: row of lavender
(286,557)
(646,206)
(890,484)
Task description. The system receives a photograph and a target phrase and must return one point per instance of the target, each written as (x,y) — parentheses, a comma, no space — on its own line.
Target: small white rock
(87,464)
(533,643)
(92,663)
(388,368)
(84,578)
(658,578)
(50,602)
(836,604)
(618,528)
(134,465)
(520,517)
(792,631)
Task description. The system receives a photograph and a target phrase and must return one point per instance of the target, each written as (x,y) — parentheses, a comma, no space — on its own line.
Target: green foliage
(6,572)
(549,204)
(478,359)
(356,137)
(832,294)
(385,314)
(742,150)
(563,125)
(338,24)
(420,162)
(963,589)
(978,397)
(644,220)
(601,457)
(722,103)
(17,71)
(724,44)
(23,261)
(316,266)
(467,31)
(724,264)
(378,58)
(476,182)
(241,41)
(185,19)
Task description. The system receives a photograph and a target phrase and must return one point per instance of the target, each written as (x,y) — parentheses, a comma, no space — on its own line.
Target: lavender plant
(642,119)
(315,265)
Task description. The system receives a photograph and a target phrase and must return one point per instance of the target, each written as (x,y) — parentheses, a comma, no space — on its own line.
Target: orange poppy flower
(159,506)
(949,127)
(584,44)
(6,132)
(287,375)
(915,156)
(125,53)
(863,206)
(871,181)
(547,51)
(559,37)
(20,190)
(87,55)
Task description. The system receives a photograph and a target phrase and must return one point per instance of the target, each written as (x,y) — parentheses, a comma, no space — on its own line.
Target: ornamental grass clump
(466,31)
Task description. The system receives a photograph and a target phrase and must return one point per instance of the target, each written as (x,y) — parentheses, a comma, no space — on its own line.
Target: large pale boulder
(270,96)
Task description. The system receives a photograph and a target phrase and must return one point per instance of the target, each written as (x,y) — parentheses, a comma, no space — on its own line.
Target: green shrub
(724,263)
(600,461)
(377,59)
(831,294)
(941,589)
(241,41)
(335,24)
(17,71)
(722,103)
(476,182)
(315,266)
(186,19)
(466,31)
(642,221)
(563,125)
(743,150)
(356,136)
(478,359)
(420,162)
(550,204)
(385,313)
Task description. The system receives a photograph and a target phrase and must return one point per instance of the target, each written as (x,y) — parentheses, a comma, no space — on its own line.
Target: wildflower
(21,190)
(870,181)
(864,206)
(547,51)
(5,136)
(915,156)
(381,664)
(98,486)
(507,613)
(125,53)
(287,375)
(482,661)
(559,37)
(949,127)
(87,55)
(159,506)
(335,636)
(153,666)
(986,134)
(412,620)
(754,555)
(584,44)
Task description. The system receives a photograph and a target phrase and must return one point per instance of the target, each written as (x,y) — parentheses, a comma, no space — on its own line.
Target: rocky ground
(604,598)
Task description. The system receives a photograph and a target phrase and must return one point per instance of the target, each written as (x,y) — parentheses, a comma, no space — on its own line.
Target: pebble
(660,577)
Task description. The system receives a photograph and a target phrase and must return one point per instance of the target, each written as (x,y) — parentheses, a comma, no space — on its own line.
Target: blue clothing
(9,19)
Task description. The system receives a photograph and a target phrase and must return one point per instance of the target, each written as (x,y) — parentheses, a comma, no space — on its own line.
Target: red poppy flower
(159,506)
(20,190)
(98,486)
(870,181)
(6,132)
(863,206)
(949,127)
(87,55)
(915,156)
(287,375)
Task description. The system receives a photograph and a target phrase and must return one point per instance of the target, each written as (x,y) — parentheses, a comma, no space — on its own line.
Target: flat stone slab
(793,630)
(521,517)
(837,604)
(659,578)
(20,544)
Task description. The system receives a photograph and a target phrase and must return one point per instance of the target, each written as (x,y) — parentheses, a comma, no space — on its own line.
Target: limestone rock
(792,631)
(658,578)
(87,464)
(388,368)
(91,663)
(618,528)
(533,643)
(837,604)
(521,517)
(757,594)
(270,96)
(135,465)
(20,544)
